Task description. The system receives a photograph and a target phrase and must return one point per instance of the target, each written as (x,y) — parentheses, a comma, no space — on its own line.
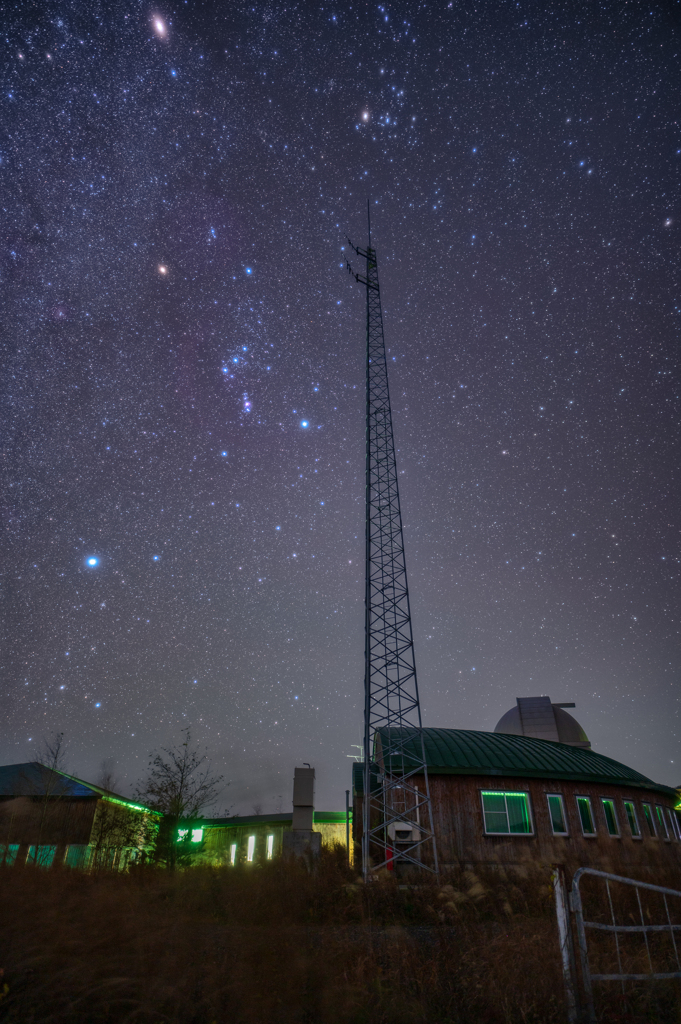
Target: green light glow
(630,812)
(506,813)
(557,814)
(648,815)
(610,817)
(663,823)
(585,815)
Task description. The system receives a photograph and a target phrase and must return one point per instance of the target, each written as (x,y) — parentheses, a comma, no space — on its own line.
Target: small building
(48,817)
(511,799)
(256,838)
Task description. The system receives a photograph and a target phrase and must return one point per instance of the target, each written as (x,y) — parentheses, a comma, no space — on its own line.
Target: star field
(183,385)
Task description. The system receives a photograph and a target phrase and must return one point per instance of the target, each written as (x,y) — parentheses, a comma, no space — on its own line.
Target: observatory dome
(538,717)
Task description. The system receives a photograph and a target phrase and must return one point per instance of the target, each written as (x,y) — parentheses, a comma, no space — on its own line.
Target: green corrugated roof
(465,752)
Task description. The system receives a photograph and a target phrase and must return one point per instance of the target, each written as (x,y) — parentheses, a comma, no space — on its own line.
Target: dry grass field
(278,945)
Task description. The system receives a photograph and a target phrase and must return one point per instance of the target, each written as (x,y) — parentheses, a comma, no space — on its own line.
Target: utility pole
(398,818)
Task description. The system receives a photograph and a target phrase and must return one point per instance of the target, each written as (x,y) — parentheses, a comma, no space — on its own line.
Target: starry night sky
(183,372)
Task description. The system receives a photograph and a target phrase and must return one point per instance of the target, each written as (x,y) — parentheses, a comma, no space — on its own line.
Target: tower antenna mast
(397,825)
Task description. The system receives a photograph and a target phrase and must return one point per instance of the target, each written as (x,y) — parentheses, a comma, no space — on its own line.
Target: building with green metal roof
(508,799)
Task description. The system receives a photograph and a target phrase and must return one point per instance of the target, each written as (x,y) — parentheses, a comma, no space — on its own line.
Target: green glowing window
(557,814)
(586,815)
(182,834)
(8,854)
(197,835)
(610,816)
(677,817)
(76,856)
(232,854)
(661,819)
(632,819)
(250,849)
(270,847)
(43,856)
(506,813)
(650,821)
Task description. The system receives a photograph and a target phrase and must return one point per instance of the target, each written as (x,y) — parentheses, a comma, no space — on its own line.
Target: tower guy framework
(398,817)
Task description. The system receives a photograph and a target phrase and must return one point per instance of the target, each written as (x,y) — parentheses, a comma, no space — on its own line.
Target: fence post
(565,939)
(578,911)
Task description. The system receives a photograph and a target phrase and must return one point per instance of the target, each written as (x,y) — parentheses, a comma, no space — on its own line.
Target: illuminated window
(506,813)
(77,856)
(650,821)
(661,819)
(182,834)
(610,816)
(676,815)
(250,849)
(8,854)
(41,855)
(270,847)
(197,835)
(557,814)
(586,815)
(232,854)
(632,819)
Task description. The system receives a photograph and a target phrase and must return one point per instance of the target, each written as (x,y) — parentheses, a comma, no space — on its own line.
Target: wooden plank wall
(462,842)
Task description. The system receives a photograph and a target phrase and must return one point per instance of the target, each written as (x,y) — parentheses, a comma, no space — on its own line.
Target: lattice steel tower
(398,819)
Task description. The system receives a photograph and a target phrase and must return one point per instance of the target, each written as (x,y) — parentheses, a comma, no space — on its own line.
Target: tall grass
(278,945)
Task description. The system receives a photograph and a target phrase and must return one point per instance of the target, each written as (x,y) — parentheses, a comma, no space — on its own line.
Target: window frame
(609,800)
(634,815)
(250,850)
(270,846)
(505,793)
(663,821)
(649,819)
(672,822)
(587,835)
(561,799)
(233,847)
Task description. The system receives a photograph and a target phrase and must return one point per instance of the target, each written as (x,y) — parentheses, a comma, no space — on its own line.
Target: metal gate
(575,905)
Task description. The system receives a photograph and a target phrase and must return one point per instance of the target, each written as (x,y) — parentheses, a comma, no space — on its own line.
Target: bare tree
(179,784)
(51,755)
(108,779)
(117,831)
(257,809)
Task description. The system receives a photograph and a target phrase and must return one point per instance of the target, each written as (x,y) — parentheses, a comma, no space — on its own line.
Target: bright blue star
(93,561)
(223,454)
(156,558)
(249,270)
(304,423)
